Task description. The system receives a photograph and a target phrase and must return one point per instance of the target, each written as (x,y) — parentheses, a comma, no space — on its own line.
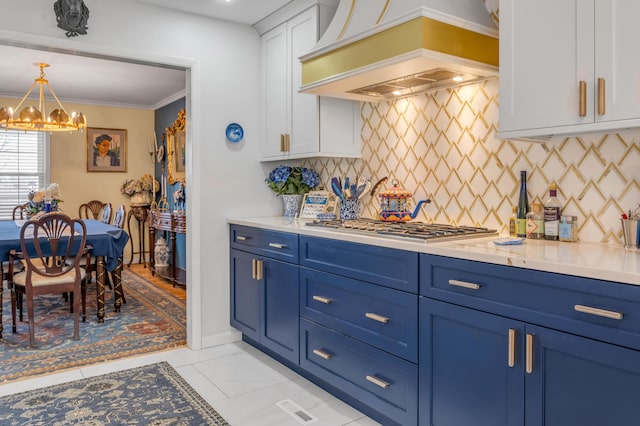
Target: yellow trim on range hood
(403,39)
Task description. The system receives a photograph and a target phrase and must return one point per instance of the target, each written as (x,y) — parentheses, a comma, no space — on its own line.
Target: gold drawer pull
(259,268)
(322,299)
(376,381)
(241,238)
(601,96)
(376,317)
(529,361)
(464,284)
(322,354)
(512,347)
(254,266)
(598,312)
(277,245)
(582,109)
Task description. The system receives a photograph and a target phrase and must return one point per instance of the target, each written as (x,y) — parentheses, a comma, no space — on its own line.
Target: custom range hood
(376,50)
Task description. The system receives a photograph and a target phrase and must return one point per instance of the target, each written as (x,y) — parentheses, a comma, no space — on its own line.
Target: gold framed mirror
(176,144)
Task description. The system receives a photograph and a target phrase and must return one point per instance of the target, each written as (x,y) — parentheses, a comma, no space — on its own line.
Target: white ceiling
(87,80)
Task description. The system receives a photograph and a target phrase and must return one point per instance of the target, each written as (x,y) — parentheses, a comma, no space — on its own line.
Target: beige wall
(69,156)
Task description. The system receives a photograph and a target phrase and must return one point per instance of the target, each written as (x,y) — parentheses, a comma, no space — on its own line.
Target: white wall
(223,180)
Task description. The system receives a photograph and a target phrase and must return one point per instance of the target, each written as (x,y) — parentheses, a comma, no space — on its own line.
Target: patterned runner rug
(151,395)
(151,320)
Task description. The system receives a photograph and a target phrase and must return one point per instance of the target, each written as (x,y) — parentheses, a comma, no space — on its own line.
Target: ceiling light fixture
(32,118)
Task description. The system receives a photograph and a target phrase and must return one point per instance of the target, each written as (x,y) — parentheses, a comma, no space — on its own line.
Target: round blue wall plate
(234,132)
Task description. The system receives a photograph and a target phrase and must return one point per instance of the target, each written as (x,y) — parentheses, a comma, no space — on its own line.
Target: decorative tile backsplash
(442,146)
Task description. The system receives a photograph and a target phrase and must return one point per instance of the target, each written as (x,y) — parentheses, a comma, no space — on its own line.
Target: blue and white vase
(349,209)
(292,204)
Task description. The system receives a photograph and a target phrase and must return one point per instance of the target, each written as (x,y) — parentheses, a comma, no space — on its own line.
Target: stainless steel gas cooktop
(416,230)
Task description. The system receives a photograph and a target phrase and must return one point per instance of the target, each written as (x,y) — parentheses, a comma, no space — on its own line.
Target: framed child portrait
(106,150)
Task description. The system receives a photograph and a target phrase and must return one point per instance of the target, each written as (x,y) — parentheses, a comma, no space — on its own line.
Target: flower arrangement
(36,201)
(287,180)
(145,183)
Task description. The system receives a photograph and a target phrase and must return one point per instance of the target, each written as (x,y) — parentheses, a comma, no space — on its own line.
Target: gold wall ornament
(176,145)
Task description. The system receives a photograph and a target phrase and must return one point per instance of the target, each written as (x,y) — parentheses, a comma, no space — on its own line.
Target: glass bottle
(512,222)
(523,207)
(535,222)
(552,213)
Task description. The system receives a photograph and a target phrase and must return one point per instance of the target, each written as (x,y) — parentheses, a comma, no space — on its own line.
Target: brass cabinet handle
(281,142)
(464,284)
(322,299)
(598,312)
(277,245)
(601,96)
(529,362)
(322,354)
(379,382)
(253,268)
(512,347)
(259,266)
(376,317)
(287,142)
(241,238)
(583,98)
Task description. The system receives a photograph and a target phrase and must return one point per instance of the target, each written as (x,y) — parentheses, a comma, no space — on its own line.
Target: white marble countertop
(590,260)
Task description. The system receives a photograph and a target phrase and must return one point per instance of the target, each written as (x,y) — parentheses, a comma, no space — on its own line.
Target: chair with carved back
(19,213)
(106,213)
(51,248)
(92,210)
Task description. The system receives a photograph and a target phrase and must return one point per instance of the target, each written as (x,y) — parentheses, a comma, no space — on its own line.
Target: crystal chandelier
(36,119)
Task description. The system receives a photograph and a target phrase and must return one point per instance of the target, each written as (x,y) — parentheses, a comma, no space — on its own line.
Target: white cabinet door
(618,58)
(312,126)
(275,89)
(303,35)
(546,49)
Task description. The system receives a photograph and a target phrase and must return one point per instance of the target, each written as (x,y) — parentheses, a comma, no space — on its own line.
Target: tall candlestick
(149,143)
(155,139)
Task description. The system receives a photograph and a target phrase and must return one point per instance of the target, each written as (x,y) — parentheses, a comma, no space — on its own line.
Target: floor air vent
(297,412)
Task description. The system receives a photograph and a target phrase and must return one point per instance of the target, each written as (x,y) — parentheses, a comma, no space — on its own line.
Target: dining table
(107,245)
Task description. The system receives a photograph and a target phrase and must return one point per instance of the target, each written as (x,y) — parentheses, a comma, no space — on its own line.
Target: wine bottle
(552,214)
(523,207)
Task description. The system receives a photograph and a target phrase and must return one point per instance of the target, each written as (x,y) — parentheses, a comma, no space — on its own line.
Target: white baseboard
(221,338)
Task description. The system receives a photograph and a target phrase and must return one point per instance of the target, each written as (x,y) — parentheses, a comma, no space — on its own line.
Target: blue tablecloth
(106,240)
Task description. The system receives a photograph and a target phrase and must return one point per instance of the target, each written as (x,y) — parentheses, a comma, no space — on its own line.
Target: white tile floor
(240,382)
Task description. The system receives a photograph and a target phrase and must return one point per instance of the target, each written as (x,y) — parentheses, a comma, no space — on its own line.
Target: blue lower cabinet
(386,384)
(245,294)
(466,377)
(578,381)
(264,302)
(380,316)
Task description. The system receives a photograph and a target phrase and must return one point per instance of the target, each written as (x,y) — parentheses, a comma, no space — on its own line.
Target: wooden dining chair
(52,247)
(20,211)
(106,213)
(118,221)
(92,210)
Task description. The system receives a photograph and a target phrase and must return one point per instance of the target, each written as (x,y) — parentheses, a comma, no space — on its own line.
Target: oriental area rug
(150,320)
(150,395)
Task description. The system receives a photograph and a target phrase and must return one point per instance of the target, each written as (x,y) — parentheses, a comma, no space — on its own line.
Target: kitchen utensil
(377,185)
(335,186)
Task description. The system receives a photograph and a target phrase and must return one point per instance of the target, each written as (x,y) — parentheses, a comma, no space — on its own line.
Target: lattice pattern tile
(441,146)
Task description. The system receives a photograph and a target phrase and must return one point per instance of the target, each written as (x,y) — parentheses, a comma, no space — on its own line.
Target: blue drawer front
(273,244)
(537,297)
(351,362)
(380,265)
(359,310)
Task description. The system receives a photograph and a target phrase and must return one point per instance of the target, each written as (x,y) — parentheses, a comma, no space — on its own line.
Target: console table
(141,214)
(173,223)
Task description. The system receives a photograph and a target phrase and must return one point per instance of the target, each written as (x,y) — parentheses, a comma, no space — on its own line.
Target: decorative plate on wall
(234,132)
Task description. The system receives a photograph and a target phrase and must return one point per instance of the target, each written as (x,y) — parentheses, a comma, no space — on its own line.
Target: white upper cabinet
(568,67)
(299,125)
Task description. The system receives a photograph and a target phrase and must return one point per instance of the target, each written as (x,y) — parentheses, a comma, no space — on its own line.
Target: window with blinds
(24,165)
